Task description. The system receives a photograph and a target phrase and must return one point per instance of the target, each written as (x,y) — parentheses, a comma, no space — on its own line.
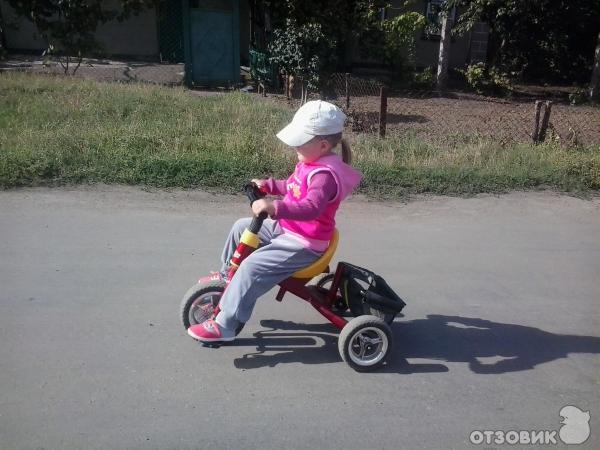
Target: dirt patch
(101,69)
(471,116)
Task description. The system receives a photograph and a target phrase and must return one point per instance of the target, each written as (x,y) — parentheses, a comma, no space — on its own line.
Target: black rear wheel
(365,343)
(324,282)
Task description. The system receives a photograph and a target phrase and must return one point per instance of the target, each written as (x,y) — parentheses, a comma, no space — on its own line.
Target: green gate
(212,42)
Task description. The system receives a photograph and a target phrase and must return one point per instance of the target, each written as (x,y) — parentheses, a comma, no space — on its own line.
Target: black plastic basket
(360,287)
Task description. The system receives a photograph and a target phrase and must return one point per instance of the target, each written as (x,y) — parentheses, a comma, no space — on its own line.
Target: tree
(338,19)
(392,40)
(399,37)
(444,53)
(69,26)
(310,37)
(303,51)
(538,40)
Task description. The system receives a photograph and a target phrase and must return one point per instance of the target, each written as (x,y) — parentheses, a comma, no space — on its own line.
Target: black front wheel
(199,303)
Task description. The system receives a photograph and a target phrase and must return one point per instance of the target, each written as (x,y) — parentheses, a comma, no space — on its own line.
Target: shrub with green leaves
(392,40)
(476,76)
(399,36)
(486,80)
(578,96)
(303,51)
(424,79)
(551,40)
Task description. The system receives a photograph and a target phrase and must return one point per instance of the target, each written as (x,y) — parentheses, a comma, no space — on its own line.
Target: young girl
(301,224)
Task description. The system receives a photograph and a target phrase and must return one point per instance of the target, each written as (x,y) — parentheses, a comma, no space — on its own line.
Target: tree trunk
(305,87)
(79,60)
(303,91)
(444,57)
(595,83)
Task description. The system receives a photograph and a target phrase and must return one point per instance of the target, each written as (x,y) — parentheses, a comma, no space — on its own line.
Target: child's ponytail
(334,140)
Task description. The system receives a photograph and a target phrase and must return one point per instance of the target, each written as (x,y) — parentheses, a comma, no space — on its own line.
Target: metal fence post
(545,121)
(347,93)
(536,122)
(382,111)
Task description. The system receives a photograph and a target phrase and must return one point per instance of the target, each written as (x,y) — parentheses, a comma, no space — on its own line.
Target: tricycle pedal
(212,344)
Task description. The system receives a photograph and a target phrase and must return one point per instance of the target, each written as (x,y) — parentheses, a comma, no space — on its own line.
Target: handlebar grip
(257,222)
(253,192)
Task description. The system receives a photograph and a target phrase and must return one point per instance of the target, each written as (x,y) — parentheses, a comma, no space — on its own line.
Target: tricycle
(365,341)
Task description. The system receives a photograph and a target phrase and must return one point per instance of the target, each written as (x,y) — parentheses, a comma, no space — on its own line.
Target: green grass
(61,131)
(461,165)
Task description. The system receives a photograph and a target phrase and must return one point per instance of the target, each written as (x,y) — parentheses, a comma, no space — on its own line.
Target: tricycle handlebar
(253,192)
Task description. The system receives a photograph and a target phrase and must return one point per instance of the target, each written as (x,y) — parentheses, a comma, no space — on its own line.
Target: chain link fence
(435,116)
(575,124)
(361,101)
(369,105)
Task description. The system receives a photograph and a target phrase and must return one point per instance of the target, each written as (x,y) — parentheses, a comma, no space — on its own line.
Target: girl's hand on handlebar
(259,183)
(263,205)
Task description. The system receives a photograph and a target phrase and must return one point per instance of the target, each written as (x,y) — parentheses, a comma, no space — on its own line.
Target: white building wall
(136,36)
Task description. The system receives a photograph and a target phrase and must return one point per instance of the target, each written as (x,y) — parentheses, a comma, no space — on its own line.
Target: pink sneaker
(210,331)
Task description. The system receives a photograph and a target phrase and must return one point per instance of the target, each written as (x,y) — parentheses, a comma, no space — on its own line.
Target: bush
(392,42)
(578,97)
(486,80)
(499,80)
(303,51)
(424,79)
(475,76)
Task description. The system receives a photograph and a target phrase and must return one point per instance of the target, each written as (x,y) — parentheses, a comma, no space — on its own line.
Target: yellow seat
(320,264)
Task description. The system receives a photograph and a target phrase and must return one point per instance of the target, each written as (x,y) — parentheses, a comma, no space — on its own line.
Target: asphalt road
(502,327)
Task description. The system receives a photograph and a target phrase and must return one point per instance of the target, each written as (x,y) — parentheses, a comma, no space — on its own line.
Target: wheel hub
(368,347)
(203,308)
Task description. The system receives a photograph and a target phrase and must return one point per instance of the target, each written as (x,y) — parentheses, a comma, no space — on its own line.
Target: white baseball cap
(314,118)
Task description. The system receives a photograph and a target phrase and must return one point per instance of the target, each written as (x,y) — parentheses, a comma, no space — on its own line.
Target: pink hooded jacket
(316,233)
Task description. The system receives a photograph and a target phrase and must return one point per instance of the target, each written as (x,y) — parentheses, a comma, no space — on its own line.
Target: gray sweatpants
(277,257)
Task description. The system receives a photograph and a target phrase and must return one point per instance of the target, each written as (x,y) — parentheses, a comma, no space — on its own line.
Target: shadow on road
(292,342)
(488,347)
